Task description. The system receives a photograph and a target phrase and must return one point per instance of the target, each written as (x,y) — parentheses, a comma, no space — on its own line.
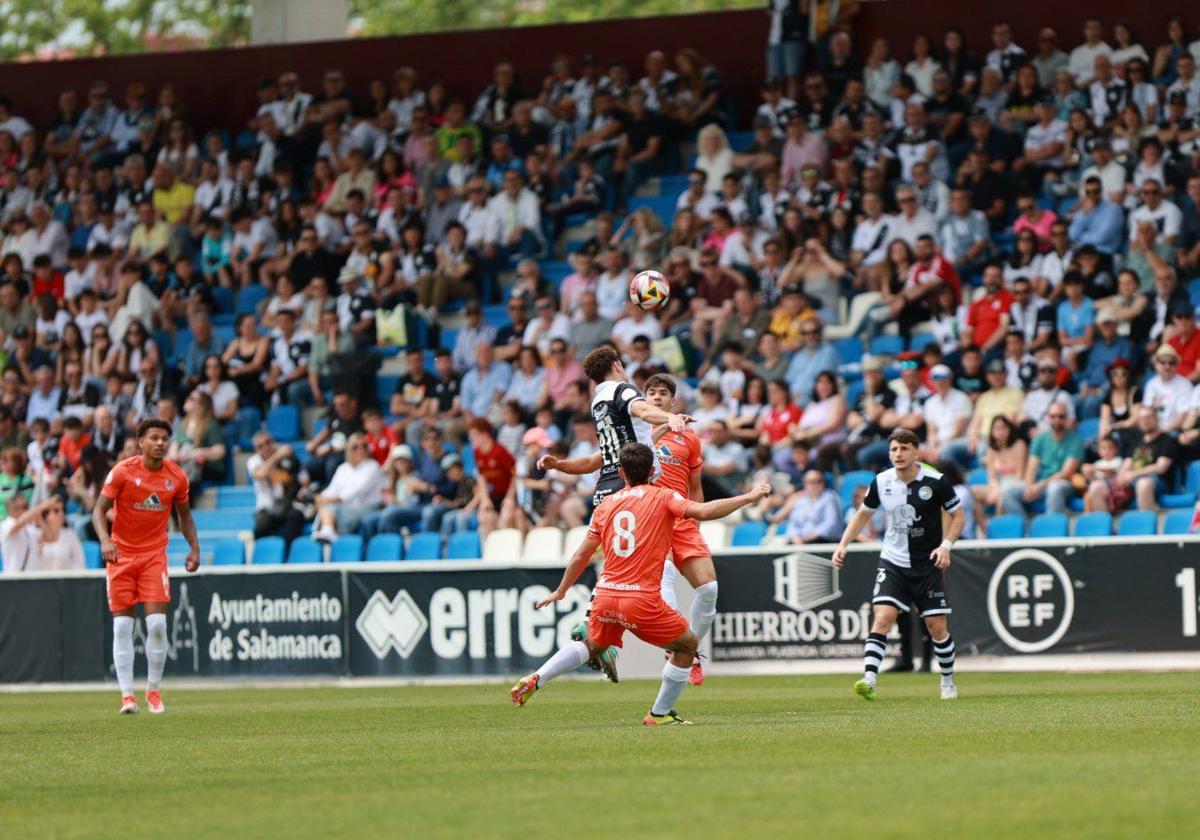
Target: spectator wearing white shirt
(1164,214)
(476,216)
(1112,175)
(1005,56)
(868,246)
(1108,93)
(744,247)
(1188,83)
(57,548)
(932,193)
(723,455)
(612,286)
(17,126)
(20,533)
(354,492)
(547,325)
(52,237)
(636,322)
(1082,62)
(1045,393)
(517,217)
(1167,392)
(913,221)
(947,413)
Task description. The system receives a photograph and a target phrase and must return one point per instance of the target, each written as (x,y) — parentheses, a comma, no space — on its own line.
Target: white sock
(673,680)
(670,575)
(123,652)
(573,655)
(156,649)
(704,609)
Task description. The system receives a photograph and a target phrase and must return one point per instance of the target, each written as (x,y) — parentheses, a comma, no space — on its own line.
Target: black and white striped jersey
(914,515)
(616,426)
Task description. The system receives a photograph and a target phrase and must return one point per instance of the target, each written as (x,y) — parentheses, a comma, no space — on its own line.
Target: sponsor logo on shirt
(151,504)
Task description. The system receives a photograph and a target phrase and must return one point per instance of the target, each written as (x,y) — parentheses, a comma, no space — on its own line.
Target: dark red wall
(218,85)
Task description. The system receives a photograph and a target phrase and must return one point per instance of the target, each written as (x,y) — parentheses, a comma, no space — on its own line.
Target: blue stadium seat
(385,386)
(749,534)
(449,339)
(1008,526)
(739,140)
(672,185)
(1094,524)
(1089,429)
(1049,526)
(228,552)
(249,298)
(348,548)
(851,481)
(1175,501)
(241,519)
(424,546)
(849,350)
(230,496)
(1194,291)
(1192,482)
(304,550)
(91,555)
(385,548)
(268,550)
(283,422)
(1137,523)
(463,545)
(496,315)
(1178,522)
(887,345)
(977,477)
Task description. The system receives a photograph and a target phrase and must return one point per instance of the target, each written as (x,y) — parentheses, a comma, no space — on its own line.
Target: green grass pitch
(1030,755)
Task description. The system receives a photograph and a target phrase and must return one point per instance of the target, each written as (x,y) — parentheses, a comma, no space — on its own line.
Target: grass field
(1096,755)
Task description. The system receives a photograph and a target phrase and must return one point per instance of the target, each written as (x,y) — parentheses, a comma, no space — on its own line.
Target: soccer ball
(649,290)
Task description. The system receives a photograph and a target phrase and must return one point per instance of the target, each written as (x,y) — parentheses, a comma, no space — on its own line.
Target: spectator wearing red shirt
(988,317)
(381,439)
(493,463)
(47,281)
(928,273)
(1186,340)
(776,422)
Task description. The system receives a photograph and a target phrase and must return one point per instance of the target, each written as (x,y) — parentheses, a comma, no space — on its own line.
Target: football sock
(704,609)
(156,649)
(673,681)
(873,652)
(568,658)
(123,652)
(944,651)
(667,589)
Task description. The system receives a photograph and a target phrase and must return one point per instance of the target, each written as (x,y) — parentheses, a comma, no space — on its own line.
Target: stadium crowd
(994,245)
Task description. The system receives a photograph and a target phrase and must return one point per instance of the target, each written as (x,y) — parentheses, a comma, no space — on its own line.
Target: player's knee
(687,643)
(156,627)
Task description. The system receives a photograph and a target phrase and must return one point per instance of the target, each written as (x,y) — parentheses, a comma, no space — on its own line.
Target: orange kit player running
(634,528)
(140,493)
(680,458)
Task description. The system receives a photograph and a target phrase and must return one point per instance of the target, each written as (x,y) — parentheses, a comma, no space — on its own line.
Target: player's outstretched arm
(861,517)
(108,549)
(941,554)
(720,508)
(574,569)
(188,526)
(657,417)
(582,465)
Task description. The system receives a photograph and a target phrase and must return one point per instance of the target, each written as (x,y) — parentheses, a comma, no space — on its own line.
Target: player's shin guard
(873,653)
(568,658)
(674,679)
(667,587)
(123,652)
(944,651)
(704,609)
(156,648)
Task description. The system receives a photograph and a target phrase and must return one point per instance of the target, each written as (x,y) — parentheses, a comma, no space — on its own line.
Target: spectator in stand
(274,471)
(1149,459)
(484,384)
(354,492)
(814,357)
(1075,318)
(1054,458)
(1167,392)
(1185,338)
(947,412)
(813,515)
(198,445)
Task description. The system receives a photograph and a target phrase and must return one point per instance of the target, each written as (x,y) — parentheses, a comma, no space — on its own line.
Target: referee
(914,555)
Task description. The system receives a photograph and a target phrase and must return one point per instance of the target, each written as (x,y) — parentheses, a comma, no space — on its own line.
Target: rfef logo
(1031,600)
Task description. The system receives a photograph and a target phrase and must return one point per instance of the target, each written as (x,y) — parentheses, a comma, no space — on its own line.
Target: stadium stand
(957,253)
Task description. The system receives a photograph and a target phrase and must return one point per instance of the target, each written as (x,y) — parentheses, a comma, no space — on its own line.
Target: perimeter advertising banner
(1029,599)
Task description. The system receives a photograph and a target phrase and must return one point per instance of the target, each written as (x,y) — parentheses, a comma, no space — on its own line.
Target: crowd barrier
(467,618)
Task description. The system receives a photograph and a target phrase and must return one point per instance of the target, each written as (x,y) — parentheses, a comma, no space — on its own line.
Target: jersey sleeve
(946,496)
(871,500)
(695,453)
(625,396)
(599,520)
(676,504)
(114,483)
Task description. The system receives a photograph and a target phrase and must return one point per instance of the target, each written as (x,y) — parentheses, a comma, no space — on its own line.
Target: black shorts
(605,487)
(905,588)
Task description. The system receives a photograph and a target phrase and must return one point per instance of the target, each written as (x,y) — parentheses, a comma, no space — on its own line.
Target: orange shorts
(646,616)
(686,542)
(138,579)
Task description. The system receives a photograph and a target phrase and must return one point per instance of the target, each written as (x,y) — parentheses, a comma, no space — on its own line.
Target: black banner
(1017,599)
(458,622)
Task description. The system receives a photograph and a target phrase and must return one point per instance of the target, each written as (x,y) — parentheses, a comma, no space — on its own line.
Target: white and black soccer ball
(649,290)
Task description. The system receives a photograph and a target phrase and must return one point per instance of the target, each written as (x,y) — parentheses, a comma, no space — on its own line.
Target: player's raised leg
(943,649)
(874,649)
(570,657)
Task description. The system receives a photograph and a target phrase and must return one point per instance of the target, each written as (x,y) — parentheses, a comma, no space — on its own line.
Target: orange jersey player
(680,460)
(139,494)
(634,527)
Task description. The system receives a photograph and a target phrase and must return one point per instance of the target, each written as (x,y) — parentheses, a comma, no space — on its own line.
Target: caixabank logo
(1031,600)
